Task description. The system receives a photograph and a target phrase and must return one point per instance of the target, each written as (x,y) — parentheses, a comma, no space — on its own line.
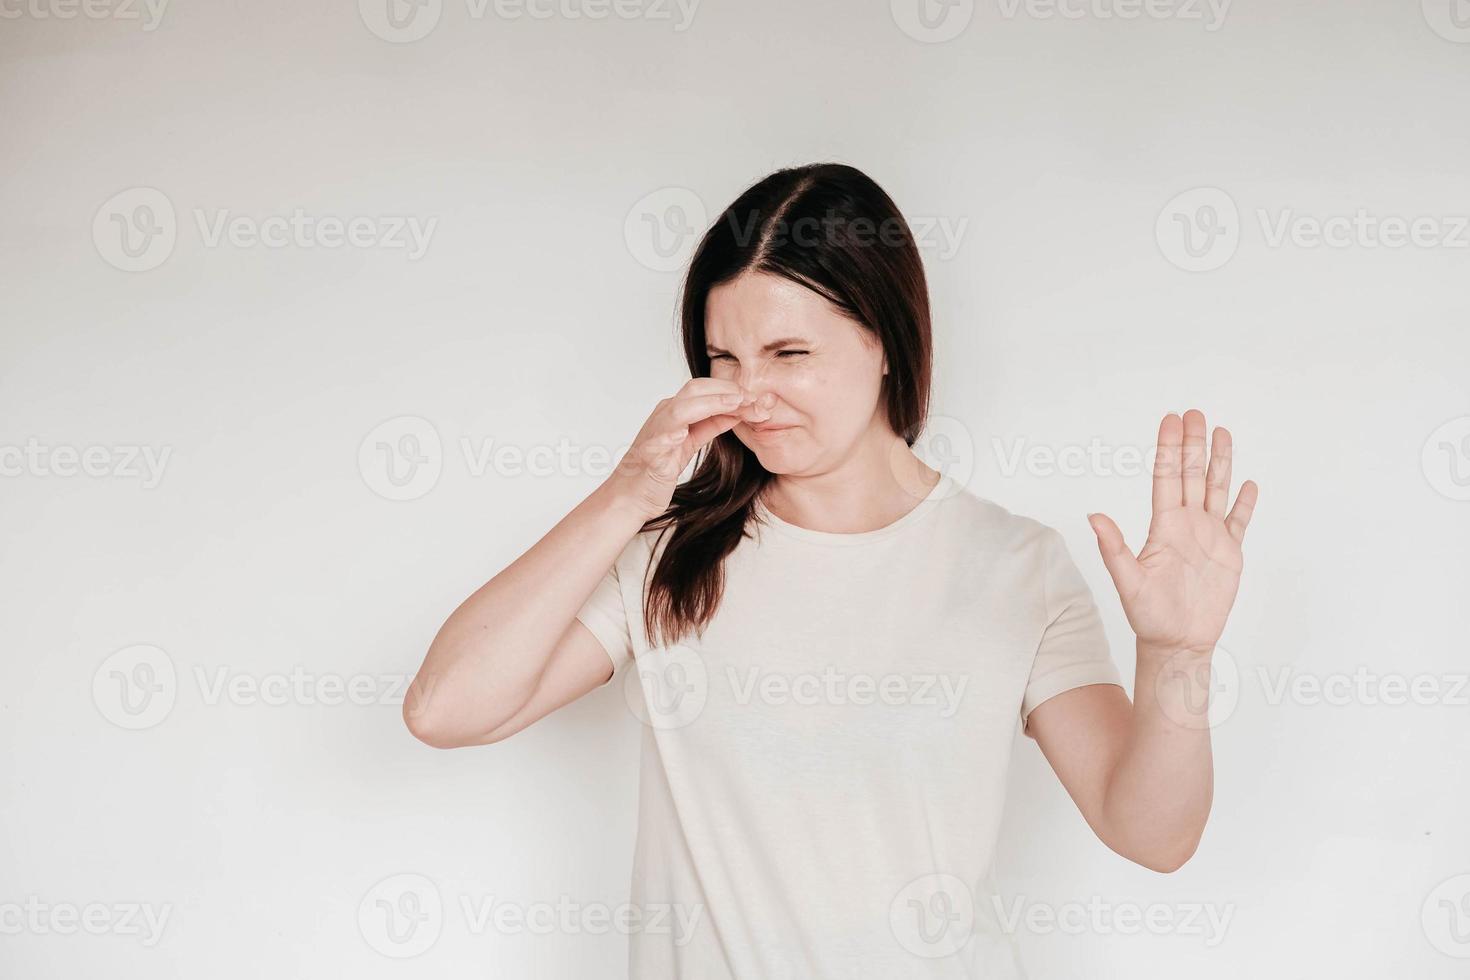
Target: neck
(873,487)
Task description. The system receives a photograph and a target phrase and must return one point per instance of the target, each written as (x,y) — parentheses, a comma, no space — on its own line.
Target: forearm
(1158,794)
(487,658)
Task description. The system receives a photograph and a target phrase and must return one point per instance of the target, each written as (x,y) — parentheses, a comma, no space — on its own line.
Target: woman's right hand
(677,429)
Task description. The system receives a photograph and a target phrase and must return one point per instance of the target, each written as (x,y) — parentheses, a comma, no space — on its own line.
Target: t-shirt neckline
(941,489)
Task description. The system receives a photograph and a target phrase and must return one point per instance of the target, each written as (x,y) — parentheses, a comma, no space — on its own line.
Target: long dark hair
(830,228)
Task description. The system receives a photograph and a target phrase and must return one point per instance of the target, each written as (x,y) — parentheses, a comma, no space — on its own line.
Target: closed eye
(784,353)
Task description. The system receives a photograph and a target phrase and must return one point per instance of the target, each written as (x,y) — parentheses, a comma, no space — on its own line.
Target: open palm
(1178,591)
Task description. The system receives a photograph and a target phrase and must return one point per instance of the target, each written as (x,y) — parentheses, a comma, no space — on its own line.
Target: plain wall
(264,559)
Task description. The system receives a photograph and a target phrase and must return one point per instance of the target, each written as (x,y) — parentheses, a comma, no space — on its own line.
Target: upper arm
(586,656)
(1082,733)
(1074,704)
(578,664)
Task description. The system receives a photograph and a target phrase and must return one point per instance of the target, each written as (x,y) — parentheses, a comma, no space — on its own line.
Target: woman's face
(770,334)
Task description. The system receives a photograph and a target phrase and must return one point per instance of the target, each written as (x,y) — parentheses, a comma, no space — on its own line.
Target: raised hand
(1178,591)
(676,429)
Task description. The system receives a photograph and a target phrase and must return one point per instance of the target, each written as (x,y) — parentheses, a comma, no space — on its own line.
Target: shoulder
(641,552)
(989,524)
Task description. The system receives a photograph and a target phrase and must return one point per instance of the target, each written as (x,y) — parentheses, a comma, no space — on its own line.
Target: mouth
(767,430)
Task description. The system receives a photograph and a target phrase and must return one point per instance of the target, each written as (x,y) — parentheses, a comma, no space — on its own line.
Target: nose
(753,380)
(751,377)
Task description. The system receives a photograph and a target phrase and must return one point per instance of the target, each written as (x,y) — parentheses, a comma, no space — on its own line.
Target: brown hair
(832,229)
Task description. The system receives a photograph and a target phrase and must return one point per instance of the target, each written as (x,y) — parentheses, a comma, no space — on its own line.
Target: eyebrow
(766,349)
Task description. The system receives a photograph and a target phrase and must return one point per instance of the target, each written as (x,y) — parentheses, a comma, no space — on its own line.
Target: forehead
(757,306)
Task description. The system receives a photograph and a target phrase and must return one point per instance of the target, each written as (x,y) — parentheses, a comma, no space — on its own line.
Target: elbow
(447,723)
(1166,860)
(429,729)
(431,723)
(1148,849)
(1166,865)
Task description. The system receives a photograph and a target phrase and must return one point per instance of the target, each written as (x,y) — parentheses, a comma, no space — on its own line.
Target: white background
(539,315)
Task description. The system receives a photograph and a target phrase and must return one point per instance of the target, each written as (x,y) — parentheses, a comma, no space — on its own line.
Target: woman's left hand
(1178,591)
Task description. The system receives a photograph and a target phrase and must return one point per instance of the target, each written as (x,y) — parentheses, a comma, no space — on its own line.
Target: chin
(778,459)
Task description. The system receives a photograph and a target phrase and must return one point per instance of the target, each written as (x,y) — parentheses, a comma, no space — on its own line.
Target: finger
(689,409)
(1217,480)
(664,454)
(759,409)
(1120,563)
(703,432)
(1240,514)
(1167,494)
(1193,458)
(707,386)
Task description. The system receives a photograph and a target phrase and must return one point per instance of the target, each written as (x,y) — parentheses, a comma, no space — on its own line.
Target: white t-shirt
(823,772)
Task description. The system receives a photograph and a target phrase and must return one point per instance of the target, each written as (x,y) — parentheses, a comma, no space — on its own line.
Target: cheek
(831,396)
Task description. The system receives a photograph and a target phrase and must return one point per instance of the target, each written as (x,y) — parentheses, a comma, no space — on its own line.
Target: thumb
(1120,563)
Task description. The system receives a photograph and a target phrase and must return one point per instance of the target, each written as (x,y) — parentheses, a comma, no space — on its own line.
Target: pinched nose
(761,408)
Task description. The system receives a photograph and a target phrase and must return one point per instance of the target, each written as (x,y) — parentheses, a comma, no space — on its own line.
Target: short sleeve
(1073,651)
(604,614)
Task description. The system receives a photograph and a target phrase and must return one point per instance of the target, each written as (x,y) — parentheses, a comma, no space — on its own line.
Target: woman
(835,644)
